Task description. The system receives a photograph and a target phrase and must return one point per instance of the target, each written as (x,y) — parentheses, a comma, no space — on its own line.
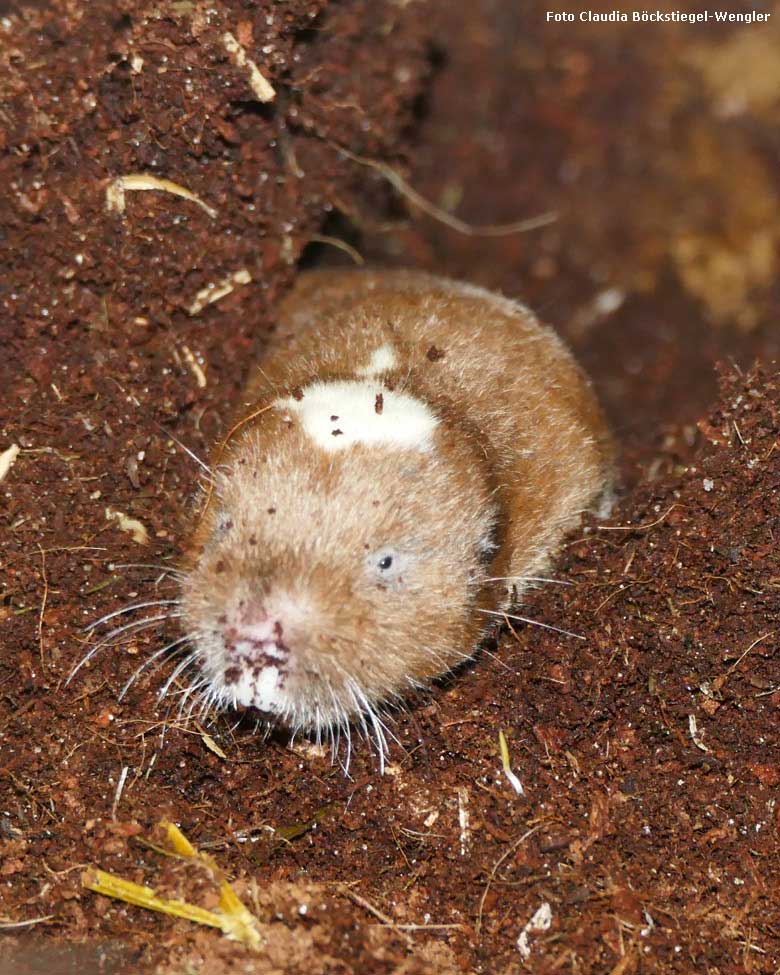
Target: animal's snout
(262,636)
(261,631)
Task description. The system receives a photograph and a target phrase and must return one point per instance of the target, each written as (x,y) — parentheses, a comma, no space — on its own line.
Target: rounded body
(416,450)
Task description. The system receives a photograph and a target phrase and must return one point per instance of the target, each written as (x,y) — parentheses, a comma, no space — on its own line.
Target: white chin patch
(338,414)
(382,360)
(261,689)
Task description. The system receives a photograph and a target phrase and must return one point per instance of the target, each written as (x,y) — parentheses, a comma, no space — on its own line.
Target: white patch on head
(382,360)
(338,414)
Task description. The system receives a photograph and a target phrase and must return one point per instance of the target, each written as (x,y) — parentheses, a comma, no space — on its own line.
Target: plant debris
(231,917)
(7,460)
(262,88)
(117,188)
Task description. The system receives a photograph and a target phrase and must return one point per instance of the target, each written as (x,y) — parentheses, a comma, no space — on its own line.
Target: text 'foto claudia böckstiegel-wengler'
(659,16)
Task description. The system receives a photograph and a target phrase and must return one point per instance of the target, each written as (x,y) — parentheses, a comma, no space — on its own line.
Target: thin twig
(507,853)
(461,226)
(10,925)
(637,528)
(721,681)
(380,915)
(342,245)
(43,603)
(424,927)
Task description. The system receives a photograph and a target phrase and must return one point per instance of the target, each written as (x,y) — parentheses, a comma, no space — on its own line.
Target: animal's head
(340,556)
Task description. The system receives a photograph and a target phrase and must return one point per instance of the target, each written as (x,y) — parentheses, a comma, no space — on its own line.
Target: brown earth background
(648,750)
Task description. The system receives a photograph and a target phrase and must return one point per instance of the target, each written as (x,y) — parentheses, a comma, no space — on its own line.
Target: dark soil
(647,750)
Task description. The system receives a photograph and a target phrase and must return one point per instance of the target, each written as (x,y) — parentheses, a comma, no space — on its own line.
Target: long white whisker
(130,609)
(525,619)
(497,659)
(170,569)
(440,659)
(376,724)
(149,662)
(386,719)
(230,731)
(182,665)
(138,625)
(334,733)
(192,690)
(358,712)
(210,700)
(557,582)
(197,699)
(191,453)
(344,722)
(199,680)
(317,726)
(381,743)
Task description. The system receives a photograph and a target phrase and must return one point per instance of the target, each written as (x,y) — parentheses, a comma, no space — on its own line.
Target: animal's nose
(259,634)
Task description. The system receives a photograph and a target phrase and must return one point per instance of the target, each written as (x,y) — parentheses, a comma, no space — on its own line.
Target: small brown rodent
(409,453)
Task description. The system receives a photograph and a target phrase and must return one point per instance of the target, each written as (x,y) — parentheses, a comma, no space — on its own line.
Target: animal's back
(483,360)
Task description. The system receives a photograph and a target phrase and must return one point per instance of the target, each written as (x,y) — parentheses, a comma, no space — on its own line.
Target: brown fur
(521,450)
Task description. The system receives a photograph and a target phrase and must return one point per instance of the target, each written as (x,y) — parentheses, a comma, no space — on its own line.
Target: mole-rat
(407,458)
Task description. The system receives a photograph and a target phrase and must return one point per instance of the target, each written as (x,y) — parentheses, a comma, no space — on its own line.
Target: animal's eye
(390,567)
